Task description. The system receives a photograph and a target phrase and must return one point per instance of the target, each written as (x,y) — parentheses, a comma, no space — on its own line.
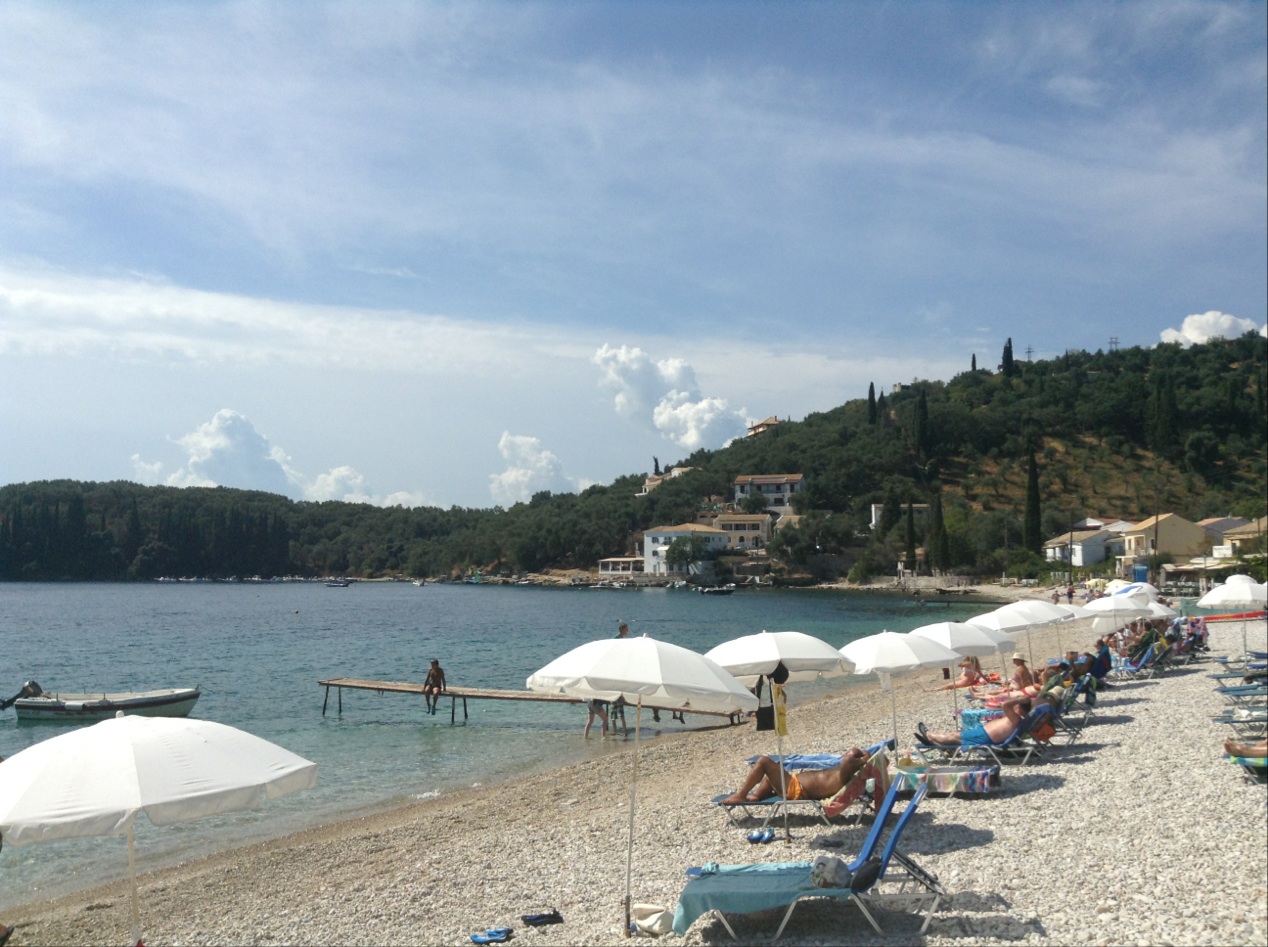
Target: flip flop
(537,920)
(494,935)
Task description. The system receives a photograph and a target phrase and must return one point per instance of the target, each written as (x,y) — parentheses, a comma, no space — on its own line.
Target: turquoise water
(258,651)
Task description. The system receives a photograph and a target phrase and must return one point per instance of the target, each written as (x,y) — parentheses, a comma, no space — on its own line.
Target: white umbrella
(1139,588)
(1114,611)
(1039,613)
(889,652)
(1158,610)
(803,656)
(966,640)
(96,780)
(1237,594)
(1011,621)
(637,668)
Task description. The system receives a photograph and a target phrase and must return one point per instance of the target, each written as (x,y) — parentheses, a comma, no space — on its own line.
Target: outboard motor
(29,689)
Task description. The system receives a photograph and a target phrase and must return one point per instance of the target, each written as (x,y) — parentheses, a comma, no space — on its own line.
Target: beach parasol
(966,640)
(1013,623)
(1038,613)
(638,669)
(889,652)
(1237,592)
(1114,611)
(804,658)
(96,780)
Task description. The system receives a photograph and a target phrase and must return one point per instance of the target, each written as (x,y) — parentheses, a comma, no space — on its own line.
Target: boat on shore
(33,703)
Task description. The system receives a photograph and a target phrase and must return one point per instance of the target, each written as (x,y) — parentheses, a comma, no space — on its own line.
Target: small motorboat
(33,703)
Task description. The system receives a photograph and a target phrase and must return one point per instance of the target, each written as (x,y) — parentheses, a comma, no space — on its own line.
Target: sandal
(494,935)
(537,920)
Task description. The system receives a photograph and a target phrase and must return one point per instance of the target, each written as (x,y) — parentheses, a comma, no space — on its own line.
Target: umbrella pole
(893,710)
(629,849)
(136,910)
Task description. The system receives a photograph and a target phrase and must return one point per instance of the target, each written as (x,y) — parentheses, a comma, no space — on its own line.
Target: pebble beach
(1139,833)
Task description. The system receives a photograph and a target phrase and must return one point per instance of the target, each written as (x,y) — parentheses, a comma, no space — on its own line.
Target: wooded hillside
(1120,434)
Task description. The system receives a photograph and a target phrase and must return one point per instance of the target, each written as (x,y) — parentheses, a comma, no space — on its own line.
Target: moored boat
(33,703)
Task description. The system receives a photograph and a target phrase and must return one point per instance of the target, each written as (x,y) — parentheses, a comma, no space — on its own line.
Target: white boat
(34,704)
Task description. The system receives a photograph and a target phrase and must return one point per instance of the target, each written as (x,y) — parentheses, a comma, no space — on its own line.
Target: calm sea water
(259,650)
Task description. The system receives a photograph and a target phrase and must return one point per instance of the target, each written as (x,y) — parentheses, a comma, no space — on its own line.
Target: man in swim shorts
(993,731)
(764,780)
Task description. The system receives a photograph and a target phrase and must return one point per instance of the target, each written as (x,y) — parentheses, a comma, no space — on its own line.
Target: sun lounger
(1245,695)
(875,770)
(1247,722)
(745,889)
(1255,768)
(1014,748)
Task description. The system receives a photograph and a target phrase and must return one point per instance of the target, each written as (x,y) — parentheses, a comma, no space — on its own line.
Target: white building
(656,542)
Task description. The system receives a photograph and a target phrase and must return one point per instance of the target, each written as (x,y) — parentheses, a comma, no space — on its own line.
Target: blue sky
(454,254)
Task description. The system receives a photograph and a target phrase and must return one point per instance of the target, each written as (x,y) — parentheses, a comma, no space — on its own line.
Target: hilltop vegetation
(1120,434)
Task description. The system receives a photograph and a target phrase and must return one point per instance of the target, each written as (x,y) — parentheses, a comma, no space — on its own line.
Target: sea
(258,650)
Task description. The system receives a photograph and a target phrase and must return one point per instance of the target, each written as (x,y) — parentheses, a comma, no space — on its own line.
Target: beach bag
(828,871)
(651,919)
(766,717)
(1043,731)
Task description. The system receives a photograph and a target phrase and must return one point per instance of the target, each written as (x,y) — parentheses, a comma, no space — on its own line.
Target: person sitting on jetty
(992,731)
(971,675)
(1254,751)
(763,780)
(434,686)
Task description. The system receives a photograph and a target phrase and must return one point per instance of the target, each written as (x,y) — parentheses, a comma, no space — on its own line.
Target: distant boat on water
(337,583)
(33,703)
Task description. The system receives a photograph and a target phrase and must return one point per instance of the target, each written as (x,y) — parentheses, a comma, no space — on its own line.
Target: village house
(778,489)
(1245,538)
(1078,548)
(745,531)
(1166,534)
(656,543)
(655,480)
(761,427)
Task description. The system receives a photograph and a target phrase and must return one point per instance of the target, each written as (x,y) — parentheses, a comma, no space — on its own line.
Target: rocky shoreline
(1138,834)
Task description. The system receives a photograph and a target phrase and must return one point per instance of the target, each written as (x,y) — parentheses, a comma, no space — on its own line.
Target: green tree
(1032,520)
(871,403)
(1007,366)
(686,552)
(911,538)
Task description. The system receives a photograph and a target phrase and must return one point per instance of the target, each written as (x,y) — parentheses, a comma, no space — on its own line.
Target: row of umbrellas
(97,780)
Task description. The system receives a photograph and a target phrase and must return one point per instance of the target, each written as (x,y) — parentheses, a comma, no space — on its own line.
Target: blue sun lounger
(1014,748)
(768,808)
(745,889)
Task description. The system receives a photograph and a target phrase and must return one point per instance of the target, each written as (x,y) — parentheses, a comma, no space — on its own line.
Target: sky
(454,254)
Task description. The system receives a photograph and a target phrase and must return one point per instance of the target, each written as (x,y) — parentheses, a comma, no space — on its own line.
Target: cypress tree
(911,538)
(1032,522)
(921,434)
(871,403)
(935,536)
(973,363)
(1006,363)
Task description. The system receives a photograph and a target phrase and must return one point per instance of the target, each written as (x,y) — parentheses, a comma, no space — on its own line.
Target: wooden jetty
(464,694)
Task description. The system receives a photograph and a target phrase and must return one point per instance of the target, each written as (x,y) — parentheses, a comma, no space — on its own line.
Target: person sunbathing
(1258,750)
(992,731)
(763,780)
(971,675)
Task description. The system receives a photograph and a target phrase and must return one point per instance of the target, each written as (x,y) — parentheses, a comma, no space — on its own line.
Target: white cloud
(531,469)
(665,395)
(228,451)
(1202,327)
